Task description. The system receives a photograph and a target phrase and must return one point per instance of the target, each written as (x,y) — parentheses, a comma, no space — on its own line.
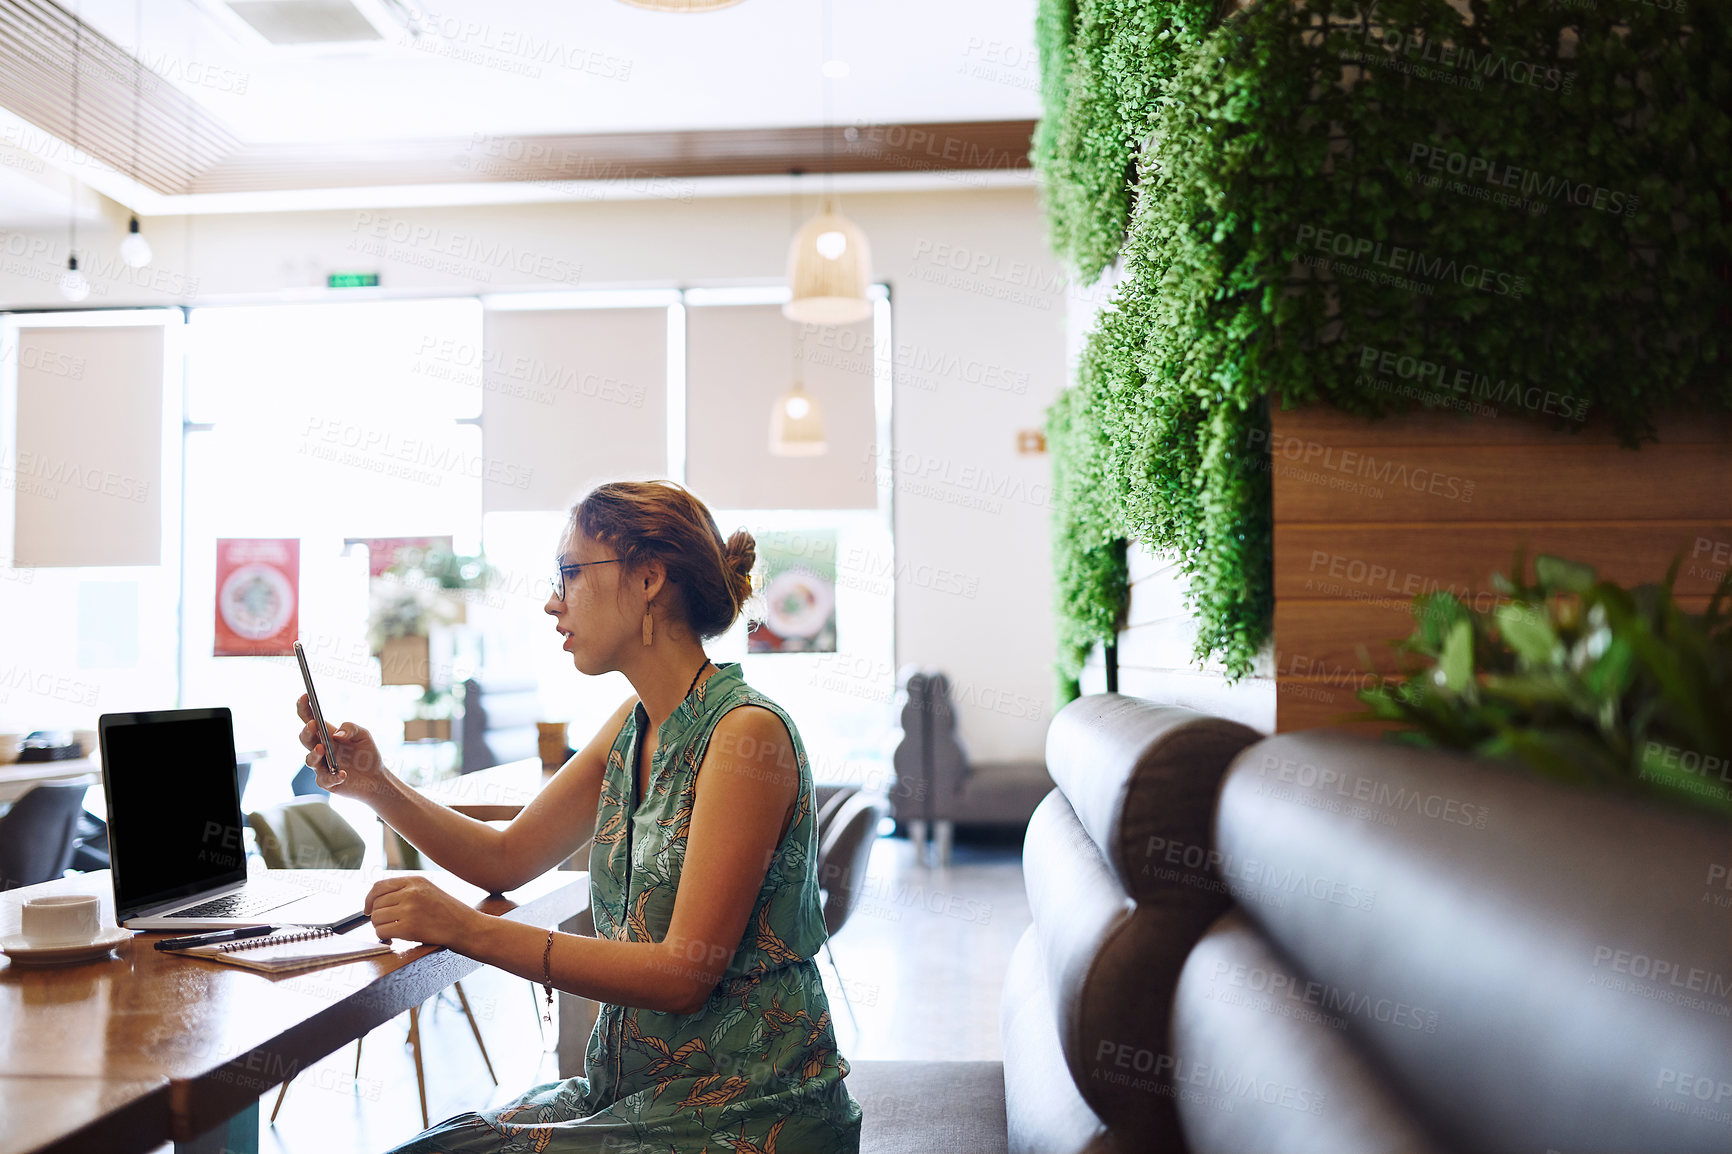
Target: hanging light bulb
(73,286)
(135,250)
(797,425)
(829,267)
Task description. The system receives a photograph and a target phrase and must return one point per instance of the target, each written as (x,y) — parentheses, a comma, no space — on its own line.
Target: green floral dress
(756,1071)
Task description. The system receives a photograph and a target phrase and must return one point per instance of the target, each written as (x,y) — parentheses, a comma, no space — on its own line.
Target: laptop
(178,859)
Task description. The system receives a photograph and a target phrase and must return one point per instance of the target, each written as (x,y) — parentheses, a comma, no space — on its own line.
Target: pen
(216,936)
(349,923)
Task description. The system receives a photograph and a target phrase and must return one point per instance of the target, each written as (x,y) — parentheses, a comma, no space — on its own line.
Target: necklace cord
(695,677)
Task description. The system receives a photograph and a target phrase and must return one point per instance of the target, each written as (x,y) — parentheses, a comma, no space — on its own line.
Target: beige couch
(1100,960)
(1318,943)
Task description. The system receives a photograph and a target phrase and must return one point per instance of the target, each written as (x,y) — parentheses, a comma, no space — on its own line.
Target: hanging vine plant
(1091,581)
(1104,64)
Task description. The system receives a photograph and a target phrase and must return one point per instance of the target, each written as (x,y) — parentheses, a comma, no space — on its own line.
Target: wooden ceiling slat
(121,73)
(41,45)
(107,133)
(180,148)
(107,136)
(941,147)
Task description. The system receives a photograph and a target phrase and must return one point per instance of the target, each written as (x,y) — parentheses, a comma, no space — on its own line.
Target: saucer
(23,953)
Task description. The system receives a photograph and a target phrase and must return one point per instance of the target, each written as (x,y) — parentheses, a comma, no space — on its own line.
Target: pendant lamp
(797,425)
(135,250)
(829,267)
(829,263)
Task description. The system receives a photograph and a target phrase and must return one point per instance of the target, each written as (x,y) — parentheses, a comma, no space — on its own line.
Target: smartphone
(318,714)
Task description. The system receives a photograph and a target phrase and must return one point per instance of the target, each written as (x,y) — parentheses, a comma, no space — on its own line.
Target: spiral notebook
(292,949)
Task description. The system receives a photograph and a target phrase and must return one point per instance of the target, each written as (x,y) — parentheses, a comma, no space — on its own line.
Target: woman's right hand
(360,770)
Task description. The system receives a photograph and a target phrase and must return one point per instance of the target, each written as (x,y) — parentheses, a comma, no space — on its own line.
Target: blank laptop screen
(173,810)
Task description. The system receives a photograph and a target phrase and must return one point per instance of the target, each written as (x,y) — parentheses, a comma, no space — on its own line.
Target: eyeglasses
(564,567)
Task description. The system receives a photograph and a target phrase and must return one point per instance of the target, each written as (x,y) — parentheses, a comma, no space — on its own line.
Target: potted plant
(432,719)
(1578,679)
(422,589)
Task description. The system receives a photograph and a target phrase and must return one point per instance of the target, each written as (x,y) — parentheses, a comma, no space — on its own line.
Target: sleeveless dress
(756,1070)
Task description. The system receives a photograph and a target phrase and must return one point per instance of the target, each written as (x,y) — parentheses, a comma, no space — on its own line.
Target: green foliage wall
(1383,205)
(1091,575)
(1104,64)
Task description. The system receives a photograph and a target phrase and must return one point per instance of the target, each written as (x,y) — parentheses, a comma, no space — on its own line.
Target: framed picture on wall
(257,597)
(799,573)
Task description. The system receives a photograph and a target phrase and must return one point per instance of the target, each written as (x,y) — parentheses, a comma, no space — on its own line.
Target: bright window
(333,421)
(319,422)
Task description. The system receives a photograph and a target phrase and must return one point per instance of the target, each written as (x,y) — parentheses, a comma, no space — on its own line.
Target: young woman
(714,1031)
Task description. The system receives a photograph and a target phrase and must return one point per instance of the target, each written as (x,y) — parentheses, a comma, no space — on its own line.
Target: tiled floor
(923,960)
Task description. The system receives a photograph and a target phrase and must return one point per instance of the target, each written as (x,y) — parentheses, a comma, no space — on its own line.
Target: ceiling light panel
(306,21)
(316,27)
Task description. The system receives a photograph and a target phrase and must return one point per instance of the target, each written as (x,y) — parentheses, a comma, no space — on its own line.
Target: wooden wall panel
(1369,514)
(1314,705)
(1402,561)
(1451,428)
(1321,638)
(1426,484)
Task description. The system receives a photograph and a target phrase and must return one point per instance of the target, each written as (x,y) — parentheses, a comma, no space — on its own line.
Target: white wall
(979,313)
(1155,653)
(1156,644)
(74,641)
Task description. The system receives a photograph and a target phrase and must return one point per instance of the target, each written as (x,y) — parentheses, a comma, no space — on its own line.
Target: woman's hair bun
(662,521)
(741,554)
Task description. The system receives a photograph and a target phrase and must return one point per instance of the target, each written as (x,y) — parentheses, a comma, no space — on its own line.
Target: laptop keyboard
(235,905)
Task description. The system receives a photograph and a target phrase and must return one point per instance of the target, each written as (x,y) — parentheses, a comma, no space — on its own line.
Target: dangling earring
(649,627)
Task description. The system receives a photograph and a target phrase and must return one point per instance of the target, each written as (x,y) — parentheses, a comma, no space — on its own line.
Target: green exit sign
(353,280)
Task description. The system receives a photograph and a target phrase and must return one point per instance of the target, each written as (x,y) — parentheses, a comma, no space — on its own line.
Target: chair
(38,835)
(308,834)
(498,723)
(847,827)
(830,799)
(91,852)
(938,784)
(90,844)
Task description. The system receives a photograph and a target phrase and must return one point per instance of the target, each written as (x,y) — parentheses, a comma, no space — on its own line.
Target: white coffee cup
(62,919)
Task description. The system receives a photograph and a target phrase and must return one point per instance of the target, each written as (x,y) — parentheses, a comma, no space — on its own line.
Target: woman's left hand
(416,909)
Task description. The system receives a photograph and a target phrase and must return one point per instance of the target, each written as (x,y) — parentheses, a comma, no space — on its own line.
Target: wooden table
(49,1112)
(495,794)
(124,1054)
(498,793)
(19,778)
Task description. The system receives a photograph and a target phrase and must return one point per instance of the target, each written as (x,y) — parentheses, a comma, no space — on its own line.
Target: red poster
(257,597)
